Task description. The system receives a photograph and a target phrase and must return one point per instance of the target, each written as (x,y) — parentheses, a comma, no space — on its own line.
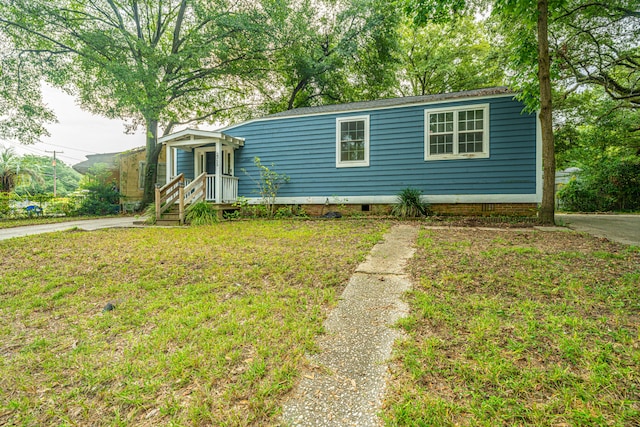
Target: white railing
(179,191)
(194,191)
(229,189)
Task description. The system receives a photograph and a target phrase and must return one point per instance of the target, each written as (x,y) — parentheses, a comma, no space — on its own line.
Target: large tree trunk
(547,210)
(151,166)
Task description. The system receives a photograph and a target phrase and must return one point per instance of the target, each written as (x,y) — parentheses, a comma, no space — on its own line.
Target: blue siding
(305,149)
(185,163)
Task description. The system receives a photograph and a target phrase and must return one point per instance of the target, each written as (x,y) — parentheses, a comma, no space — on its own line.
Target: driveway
(86,224)
(618,228)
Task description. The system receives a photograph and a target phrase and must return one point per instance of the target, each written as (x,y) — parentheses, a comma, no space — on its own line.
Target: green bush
(409,204)
(290,211)
(98,196)
(5,203)
(202,213)
(609,184)
(101,199)
(61,206)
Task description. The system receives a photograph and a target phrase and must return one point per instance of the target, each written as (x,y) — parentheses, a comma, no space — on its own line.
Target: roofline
(215,134)
(357,108)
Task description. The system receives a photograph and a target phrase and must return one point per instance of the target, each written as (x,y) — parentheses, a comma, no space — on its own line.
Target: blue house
(467,152)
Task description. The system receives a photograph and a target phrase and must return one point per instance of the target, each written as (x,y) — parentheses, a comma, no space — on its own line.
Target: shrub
(61,206)
(290,211)
(605,185)
(410,205)
(5,203)
(100,197)
(150,214)
(202,213)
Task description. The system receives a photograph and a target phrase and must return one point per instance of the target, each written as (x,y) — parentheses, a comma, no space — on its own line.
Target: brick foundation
(462,209)
(486,209)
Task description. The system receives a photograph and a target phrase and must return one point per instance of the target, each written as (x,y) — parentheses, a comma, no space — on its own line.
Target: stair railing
(168,194)
(193,193)
(175,191)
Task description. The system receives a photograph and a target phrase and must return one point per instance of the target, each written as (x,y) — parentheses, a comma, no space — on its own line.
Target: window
(457,133)
(160,179)
(352,141)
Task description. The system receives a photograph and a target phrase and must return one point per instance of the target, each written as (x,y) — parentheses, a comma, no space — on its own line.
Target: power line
(71,148)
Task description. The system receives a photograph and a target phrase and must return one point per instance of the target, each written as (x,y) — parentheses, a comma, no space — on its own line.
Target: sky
(79,133)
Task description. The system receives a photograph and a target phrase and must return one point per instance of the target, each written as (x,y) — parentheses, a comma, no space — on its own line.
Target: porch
(200,166)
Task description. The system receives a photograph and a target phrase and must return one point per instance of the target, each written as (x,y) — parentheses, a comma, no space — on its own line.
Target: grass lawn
(210,327)
(519,328)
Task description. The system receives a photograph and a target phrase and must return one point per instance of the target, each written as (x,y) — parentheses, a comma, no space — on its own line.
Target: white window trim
(455,155)
(352,163)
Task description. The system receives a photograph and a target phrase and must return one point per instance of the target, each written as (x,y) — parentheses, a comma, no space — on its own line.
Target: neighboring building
(110,160)
(473,152)
(131,165)
(562,178)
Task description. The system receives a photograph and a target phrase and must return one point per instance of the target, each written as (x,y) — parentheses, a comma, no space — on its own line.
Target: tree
(23,115)
(596,43)
(67,178)
(547,208)
(525,18)
(12,169)
(591,125)
(157,63)
(451,56)
(331,52)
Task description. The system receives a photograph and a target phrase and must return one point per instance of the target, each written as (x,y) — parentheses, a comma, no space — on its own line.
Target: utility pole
(55,176)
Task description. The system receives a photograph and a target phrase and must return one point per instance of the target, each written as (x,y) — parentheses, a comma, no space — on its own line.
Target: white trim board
(387,200)
(539,170)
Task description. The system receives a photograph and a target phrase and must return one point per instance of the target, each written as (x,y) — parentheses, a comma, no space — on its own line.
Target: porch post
(219,172)
(168,152)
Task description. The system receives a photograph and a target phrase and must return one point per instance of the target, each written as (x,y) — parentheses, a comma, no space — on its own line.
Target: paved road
(87,224)
(618,228)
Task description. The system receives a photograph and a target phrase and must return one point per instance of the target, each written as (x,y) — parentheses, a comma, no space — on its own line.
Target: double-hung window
(161,177)
(457,133)
(352,141)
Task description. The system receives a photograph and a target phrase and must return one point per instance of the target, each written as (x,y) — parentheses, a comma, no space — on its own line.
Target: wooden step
(171,216)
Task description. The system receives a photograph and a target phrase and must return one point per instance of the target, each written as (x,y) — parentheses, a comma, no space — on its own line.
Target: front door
(205,160)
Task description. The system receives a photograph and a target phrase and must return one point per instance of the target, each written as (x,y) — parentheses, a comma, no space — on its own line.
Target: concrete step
(167,222)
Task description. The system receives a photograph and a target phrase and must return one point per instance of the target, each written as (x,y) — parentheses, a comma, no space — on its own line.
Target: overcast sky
(79,133)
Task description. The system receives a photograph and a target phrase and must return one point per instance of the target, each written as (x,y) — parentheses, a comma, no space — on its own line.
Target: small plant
(410,205)
(202,213)
(290,211)
(150,214)
(268,184)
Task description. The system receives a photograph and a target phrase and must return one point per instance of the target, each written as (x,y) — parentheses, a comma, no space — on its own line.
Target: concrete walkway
(347,383)
(86,224)
(623,229)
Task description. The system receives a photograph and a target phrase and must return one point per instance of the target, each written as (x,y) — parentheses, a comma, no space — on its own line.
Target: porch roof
(191,138)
